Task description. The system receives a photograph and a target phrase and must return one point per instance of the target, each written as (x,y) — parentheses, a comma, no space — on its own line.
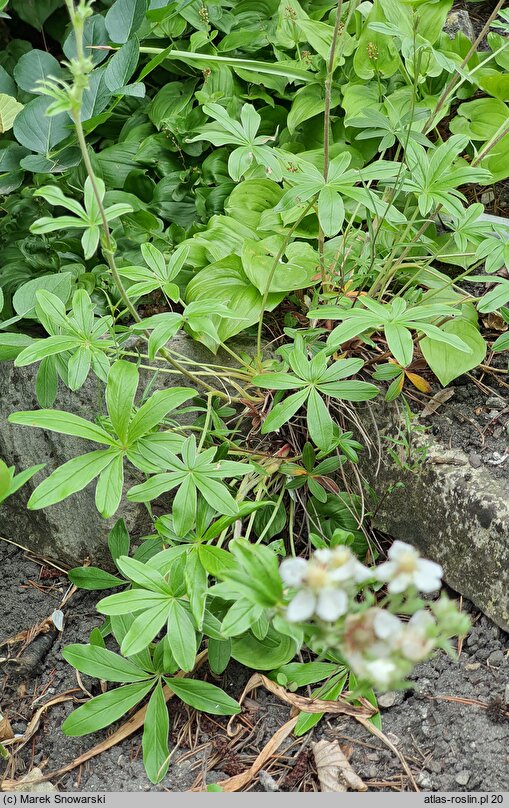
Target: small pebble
(472,666)
(506,694)
(475,460)
(496,403)
(496,658)
(424,780)
(392,738)
(387,699)
(462,777)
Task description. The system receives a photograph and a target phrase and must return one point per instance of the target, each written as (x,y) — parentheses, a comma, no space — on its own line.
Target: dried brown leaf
(334,770)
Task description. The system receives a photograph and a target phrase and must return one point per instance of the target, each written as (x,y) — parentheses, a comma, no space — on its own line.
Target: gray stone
(475,460)
(459,21)
(73,530)
(390,698)
(496,403)
(462,777)
(506,694)
(496,658)
(454,513)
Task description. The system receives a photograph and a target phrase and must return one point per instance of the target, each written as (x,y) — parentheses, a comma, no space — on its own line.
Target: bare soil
(453,727)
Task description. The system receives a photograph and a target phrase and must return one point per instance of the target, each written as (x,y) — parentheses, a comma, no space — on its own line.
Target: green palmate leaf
(181,636)
(73,476)
(240,617)
(156,409)
(46,347)
(156,757)
(93,578)
(103,664)
(448,362)
(203,696)
(103,710)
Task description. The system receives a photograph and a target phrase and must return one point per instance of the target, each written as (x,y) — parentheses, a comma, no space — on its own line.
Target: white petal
(362,573)
(399,548)
(386,624)
(386,571)
(428,576)
(292,571)
(301,607)
(332,603)
(400,583)
(421,620)
(381,671)
(345,572)
(324,555)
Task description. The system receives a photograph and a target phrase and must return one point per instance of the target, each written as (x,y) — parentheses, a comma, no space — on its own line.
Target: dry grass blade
(33,725)
(339,707)
(131,725)
(242,780)
(6,733)
(379,734)
(334,770)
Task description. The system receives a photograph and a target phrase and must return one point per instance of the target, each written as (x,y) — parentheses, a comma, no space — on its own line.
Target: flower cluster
(379,646)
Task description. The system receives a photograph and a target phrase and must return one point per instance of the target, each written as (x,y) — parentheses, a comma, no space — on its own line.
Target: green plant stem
(272,272)
(454,80)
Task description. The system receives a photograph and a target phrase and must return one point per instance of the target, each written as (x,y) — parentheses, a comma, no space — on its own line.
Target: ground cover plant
(292,172)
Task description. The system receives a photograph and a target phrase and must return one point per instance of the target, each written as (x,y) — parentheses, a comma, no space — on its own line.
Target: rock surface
(455,513)
(72,530)
(459,21)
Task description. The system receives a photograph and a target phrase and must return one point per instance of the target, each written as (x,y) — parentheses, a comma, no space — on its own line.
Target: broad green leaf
(64,422)
(331,211)
(143,575)
(124,18)
(103,710)
(446,361)
(108,492)
(38,132)
(36,66)
(219,655)
(122,65)
(399,342)
(146,626)
(240,617)
(272,652)
(102,664)
(181,636)
(216,560)
(118,540)
(73,476)
(25,299)
(282,412)
(320,424)
(9,110)
(120,392)
(93,578)
(46,347)
(156,756)
(203,696)
(135,600)
(153,411)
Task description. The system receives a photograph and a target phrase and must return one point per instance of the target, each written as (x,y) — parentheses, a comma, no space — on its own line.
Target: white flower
(328,604)
(318,592)
(344,566)
(406,568)
(417,643)
(293,570)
